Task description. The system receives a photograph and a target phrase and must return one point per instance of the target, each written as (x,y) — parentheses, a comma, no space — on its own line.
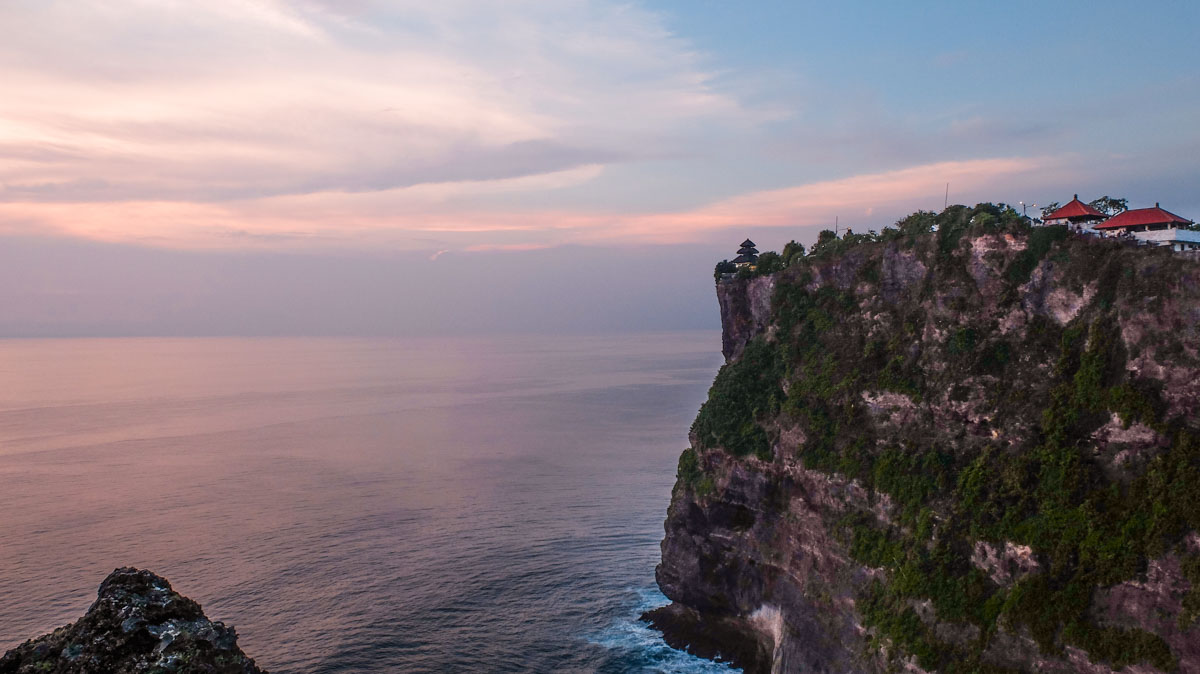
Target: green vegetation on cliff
(744,395)
(974,417)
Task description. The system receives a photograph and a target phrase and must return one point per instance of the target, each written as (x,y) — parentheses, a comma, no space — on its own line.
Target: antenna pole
(946,203)
(835,225)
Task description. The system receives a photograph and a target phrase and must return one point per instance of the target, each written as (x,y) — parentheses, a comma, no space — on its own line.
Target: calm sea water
(356,505)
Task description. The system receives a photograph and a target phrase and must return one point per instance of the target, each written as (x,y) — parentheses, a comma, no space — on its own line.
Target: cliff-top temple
(747,255)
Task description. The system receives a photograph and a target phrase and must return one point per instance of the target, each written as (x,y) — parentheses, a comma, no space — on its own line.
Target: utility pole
(946,203)
(835,226)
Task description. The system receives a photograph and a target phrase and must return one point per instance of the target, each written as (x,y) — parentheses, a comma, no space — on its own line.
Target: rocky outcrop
(745,311)
(954,452)
(138,624)
(1154,600)
(758,575)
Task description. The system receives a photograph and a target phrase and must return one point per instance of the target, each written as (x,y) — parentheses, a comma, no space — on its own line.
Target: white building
(1154,226)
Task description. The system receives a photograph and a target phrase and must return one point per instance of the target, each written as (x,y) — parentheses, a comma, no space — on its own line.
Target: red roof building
(1154,226)
(1145,219)
(1075,211)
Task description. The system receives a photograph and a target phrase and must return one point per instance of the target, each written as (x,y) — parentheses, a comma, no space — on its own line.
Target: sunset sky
(163,144)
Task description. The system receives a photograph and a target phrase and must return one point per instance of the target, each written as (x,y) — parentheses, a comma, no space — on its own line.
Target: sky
(369,167)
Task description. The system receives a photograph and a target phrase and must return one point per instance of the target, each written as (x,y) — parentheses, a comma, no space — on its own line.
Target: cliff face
(745,312)
(960,451)
(138,624)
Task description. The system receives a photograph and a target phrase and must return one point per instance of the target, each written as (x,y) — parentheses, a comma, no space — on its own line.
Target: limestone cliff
(972,450)
(137,625)
(745,311)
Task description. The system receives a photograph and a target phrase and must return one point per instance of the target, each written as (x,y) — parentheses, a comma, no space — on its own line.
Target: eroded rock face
(1154,599)
(757,574)
(900,271)
(138,624)
(1004,563)
(963,351)
(745,311)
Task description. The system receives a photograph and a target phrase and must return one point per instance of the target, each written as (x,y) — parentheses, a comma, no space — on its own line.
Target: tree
(921,222)
(1110,206)
(826,242)
(724,267)
(768,263)
(1050,208)
(985,222)
(792,252)
(989,217)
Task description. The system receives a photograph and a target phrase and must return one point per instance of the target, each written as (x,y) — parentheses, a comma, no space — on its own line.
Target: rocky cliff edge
(964,451)
(137,625)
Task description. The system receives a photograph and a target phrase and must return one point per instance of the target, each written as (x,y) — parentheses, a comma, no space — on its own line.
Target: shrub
(1041,239)
(792,252)
(768,263)
(691,475)
(724,267)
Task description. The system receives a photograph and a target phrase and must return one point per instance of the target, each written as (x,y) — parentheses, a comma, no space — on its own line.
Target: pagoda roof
(1075,209)
(744,258)
(1143,216)
(747,244)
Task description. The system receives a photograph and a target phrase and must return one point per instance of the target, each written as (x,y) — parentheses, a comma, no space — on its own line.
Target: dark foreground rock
(138,624)
(711,637)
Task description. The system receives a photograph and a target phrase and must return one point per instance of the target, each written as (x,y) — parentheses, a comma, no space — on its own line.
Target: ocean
(355,505)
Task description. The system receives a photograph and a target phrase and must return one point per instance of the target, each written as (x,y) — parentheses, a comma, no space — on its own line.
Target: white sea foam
(644,647)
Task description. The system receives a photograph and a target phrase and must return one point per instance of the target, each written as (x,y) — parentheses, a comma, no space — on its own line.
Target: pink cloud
(852,199)
(487,247)
(430,219)
(269,124)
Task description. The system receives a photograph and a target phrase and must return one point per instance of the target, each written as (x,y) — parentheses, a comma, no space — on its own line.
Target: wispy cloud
(160,100)
(431,217)
(481,125)
(862,200)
